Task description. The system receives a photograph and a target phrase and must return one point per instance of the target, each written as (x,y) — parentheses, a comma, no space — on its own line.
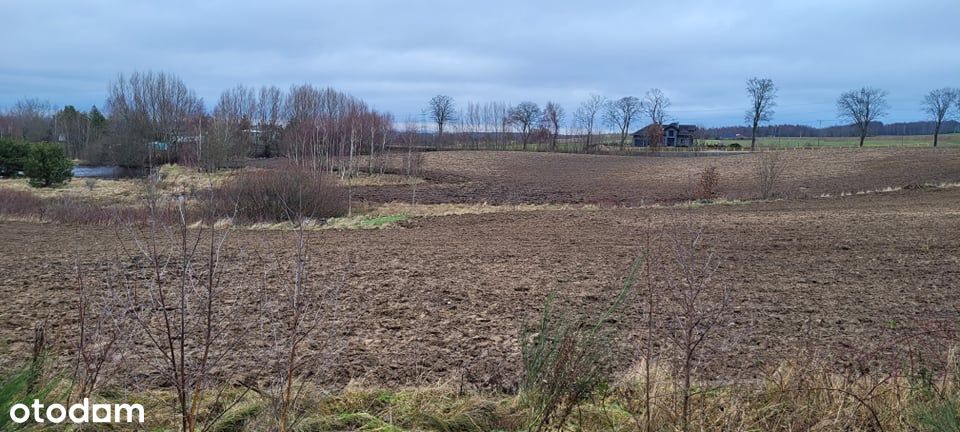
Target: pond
(106,171)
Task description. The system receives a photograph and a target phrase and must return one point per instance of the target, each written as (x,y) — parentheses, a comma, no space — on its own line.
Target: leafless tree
(32,119)
(654,105)
(100,337)
(937,104)
(762,93)
(694,302)
(441,110)
(587,118)
(298,322)
(524,117)
(412,159)
(327,130)
(654,133)
(228,134)
(474,124)
(269,115)
(179,306)
(621,113)
(553,116)
(862,107)
(148,108)
(70,127)
(770,167)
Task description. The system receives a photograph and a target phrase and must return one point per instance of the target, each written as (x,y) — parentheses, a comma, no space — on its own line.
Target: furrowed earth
(444,298)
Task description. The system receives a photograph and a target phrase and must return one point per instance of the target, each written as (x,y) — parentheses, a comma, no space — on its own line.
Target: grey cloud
(396,55)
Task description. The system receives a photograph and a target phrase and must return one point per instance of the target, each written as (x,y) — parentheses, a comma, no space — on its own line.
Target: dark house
(674,135)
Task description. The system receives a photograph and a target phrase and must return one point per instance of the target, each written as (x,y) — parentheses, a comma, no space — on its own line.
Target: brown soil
(529,177)
(441,297)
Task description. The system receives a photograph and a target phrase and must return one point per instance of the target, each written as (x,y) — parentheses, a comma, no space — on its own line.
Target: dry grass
(431,210)
(176,180)
(382,180)
(792,397)
(116,191)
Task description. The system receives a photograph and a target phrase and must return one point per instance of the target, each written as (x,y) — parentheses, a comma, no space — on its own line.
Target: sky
(397,54)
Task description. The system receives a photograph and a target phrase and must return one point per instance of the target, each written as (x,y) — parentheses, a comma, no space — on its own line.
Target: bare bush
(179,306)
(769,170)
(270,195)
(297,322)
(708,183)
(100,338)
(19,203)
(412,162)
(691,304)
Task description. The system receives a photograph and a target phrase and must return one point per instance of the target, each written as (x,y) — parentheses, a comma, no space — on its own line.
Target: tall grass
(16,203)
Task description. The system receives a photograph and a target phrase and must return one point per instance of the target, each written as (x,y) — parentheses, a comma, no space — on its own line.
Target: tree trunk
(753,137)
(936,134)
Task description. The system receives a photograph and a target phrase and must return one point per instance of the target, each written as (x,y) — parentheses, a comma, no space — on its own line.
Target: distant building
(674,135)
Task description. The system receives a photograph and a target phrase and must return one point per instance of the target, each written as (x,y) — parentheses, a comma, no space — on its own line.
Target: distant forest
(792,130)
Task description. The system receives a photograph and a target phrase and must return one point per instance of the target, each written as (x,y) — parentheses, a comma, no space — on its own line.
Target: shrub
(735,146)
(19,203)
(770,168)
(47,165)
(12,156)
(565,360)
(563,363)
(708,183)
(278,195)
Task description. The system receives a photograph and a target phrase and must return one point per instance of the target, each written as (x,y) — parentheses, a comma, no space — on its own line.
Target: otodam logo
(82,412)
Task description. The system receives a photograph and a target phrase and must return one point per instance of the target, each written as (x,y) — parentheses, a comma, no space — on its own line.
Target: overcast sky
(397,54)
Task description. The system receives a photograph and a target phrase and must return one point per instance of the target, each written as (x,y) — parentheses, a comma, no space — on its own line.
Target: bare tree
(151,112)
(442,111)
(862,107)
(553,115)
(180,308)
(621,113)
(654,105)
(770,167)
(654,134)
(762,94)
(296,319)
(227,134)
(269,115)
(474,124)
(70,128)
(524,117)
(586,118)
(412,158)
(694,301)
(32,119)
(938,104)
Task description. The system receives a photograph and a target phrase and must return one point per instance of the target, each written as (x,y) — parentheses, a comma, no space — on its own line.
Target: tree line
(839,131)
(153,117)
(526,125)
